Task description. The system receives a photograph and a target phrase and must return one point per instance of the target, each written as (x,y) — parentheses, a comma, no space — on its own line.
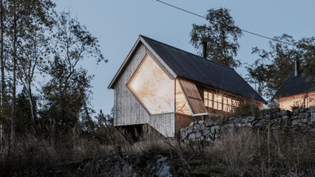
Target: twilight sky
(118,23)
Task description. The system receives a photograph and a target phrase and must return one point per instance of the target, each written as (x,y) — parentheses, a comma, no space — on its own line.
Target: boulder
(189,129)
(284,113)
(296,112)
(206,132)
(200,122)
(312,109)
(285,117)
(255,122)
(296,122)
(312,116)
(196,127)
(215,129)
(244,120)
(183,134)
(209,123)
(268,116)
(303,115)
(261,116)
(251,118)
(228,127)
(230,120)
(192,137)
(285,121)
(197,135)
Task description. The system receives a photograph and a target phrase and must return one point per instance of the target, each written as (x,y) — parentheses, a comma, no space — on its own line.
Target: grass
(244,152)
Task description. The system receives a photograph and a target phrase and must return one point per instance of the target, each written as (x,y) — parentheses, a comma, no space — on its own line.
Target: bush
(247,108)
(155,149)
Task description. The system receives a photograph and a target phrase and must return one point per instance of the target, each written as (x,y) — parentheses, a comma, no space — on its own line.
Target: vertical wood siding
(129,111)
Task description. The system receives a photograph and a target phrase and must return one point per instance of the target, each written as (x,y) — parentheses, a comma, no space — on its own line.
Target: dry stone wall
(211,130)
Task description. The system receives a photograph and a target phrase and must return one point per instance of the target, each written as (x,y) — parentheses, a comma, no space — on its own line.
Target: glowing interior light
(153,87)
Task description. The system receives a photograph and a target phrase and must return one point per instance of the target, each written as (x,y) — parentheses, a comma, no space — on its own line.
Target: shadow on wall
(140,132)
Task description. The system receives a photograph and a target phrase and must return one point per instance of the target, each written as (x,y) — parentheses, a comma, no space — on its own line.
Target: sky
(118,23)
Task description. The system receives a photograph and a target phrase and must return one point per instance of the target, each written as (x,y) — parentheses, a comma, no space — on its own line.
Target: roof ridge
(188,52)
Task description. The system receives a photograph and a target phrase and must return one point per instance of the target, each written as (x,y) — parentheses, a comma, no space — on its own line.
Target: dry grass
(253,153)
(243,152)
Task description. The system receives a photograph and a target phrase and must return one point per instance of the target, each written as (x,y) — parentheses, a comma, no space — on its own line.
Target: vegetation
(243,152)
(221,35)
(51,125)
(38,43)
(273,67)
(246,108)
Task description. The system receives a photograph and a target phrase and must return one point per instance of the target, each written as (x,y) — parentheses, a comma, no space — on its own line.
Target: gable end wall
(128,110)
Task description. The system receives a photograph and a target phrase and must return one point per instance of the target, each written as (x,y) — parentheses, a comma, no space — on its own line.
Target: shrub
(155,149)
(247,108)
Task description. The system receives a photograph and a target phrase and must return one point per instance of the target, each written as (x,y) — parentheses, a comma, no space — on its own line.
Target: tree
(24,18)
(68,92)
(32,55)
(306,47)
(221,35)
(2,28)
(258,74)
(273,67)
(23,121)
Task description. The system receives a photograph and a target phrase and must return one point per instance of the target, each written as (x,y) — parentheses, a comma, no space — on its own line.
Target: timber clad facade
(167,88)
(129,110)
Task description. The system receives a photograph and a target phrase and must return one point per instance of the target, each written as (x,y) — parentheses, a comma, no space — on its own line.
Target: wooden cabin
(167,88)
(296,91)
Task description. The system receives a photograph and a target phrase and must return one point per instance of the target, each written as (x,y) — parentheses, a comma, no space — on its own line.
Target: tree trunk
(2,70)
(32,107)
(14,72)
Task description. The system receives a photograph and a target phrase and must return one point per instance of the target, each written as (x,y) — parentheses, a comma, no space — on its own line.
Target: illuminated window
(152,86)
(228,104)
(219,102)
(208,99)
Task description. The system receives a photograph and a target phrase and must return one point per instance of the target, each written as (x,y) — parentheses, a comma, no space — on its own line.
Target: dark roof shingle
(196,68)
(294,85)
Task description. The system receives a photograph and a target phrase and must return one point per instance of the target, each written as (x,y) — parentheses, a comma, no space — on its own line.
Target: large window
(152,86)
(219,102)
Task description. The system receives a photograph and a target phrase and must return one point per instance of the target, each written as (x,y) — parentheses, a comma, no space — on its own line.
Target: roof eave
(123,65)
(276,96)
(230,92)
(172,73)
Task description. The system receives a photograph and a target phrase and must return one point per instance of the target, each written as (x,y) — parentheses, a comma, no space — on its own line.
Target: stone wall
(211,130)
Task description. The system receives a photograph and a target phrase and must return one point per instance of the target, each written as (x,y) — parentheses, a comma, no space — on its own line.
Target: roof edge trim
(276,96)
(122,66)
(173,74)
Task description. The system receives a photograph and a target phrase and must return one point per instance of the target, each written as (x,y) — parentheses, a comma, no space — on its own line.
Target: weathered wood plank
(128,109)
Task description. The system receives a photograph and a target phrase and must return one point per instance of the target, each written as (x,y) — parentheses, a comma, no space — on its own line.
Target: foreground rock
(144,164)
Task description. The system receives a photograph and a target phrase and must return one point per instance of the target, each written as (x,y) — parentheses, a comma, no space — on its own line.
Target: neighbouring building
(296,91)
(167,88)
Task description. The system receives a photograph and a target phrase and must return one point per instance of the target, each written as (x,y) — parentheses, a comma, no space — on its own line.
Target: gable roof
(194,67)
(294,85)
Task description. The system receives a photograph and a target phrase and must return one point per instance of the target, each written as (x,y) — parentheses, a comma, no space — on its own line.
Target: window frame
(220,102)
